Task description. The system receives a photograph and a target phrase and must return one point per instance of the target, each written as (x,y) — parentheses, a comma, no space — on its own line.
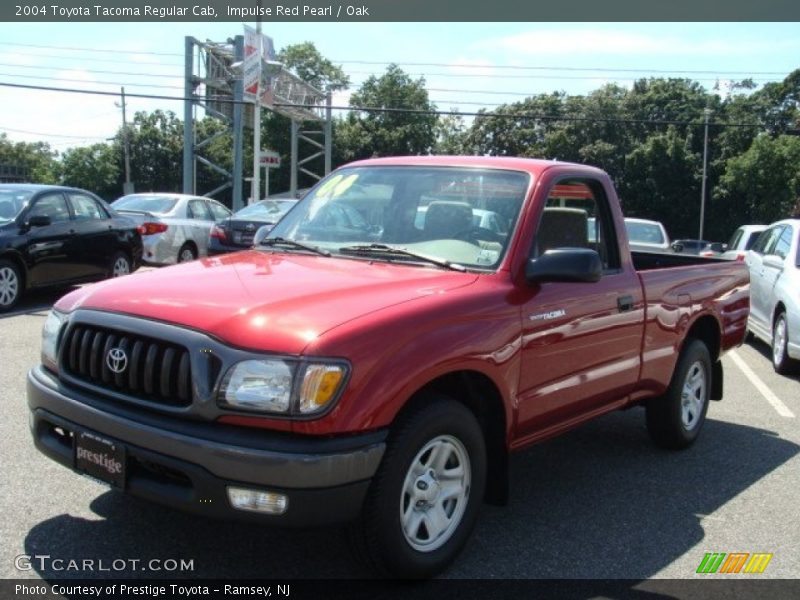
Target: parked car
(384,378)
(174,227)
(646,236)
(741,241)
(690,246)
(774,264)
(53,236)
(237,231)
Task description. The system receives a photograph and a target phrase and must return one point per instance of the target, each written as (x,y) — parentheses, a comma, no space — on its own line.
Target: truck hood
(277,302)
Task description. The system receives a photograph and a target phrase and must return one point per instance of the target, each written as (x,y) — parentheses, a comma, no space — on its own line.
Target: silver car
(774,263)
(174,227)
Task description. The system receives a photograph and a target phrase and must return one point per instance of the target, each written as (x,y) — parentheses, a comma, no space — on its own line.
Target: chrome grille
(156,371)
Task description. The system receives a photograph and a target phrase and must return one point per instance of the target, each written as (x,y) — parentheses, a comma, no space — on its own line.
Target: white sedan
(174,227)
(774,263)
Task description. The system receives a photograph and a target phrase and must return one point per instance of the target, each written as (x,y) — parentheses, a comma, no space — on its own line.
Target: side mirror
(39,221)
(261,233)
(565,264)
(717,247)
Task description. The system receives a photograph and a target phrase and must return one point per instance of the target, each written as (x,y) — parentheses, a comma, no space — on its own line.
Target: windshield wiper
(279,241)
(384,250)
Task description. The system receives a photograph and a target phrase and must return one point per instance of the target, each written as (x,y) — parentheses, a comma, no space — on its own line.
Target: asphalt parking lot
(600,502)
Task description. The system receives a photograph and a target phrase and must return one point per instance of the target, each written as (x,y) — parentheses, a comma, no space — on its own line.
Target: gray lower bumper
(226,454)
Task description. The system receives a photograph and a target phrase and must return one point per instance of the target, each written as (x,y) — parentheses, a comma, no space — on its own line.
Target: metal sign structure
(221,72)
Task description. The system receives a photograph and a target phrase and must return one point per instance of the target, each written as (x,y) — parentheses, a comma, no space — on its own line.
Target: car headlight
(50,334)
(281,386)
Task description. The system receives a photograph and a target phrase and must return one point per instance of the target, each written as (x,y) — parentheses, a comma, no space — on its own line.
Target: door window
(767,240)
(51,205)
(783,244)
(218,211)
(86,208)
(577,215)
(197,210)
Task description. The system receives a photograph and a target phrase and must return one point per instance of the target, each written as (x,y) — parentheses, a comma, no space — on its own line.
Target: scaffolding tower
(213,82)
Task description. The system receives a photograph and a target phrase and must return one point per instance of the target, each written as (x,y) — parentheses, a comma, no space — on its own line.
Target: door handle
(625,303)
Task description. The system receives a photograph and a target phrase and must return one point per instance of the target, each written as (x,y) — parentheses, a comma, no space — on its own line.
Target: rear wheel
(10,285)
(781,361)
(424,500)
(675,419)
(120,265)
(187,253)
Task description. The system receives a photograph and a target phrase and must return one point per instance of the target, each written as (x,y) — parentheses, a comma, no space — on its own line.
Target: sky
(466,66)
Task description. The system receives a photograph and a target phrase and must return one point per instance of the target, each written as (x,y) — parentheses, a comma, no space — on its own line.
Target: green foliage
(156,142)
(763,184)
(306,61)
(96,168)
(387,132)
(35,158)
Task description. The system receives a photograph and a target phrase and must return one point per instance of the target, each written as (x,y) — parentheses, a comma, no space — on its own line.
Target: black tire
(781,362)
(119,265)
(440,428)
(675,419)
(187,253)
(11,285)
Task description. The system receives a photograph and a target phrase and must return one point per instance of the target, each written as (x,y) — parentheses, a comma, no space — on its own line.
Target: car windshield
(12,201)
(151,204)
(462,216)
(265,210)
(644,233)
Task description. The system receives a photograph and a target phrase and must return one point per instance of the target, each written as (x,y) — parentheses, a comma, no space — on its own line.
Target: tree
(662,182)
(313,68)
(156,142)
(762,184)
(451,135)
(36,159)
(387,131)
(95,168)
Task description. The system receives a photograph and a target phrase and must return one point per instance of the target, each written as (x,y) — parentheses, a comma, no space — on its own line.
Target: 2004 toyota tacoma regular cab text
(375,360)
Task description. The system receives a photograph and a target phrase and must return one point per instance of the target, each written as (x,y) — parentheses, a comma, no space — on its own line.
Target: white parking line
(776,402)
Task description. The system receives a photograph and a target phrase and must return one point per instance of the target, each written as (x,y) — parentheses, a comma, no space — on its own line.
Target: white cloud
(588,41)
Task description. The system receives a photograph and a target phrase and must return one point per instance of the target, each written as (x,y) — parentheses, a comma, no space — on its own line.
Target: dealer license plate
(100,458)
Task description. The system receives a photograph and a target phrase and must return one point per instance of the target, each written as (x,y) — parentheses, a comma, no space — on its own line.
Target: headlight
(281,386)
(50,332)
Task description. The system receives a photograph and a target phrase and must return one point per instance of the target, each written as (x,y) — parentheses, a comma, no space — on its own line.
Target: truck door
(581,341)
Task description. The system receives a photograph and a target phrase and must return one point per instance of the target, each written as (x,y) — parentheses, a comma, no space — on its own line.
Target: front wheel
(781,361)
(675,419)
(424,500)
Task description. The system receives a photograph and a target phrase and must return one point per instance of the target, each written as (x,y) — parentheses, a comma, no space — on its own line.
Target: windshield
(644,233)
(463,216)
(12,201)
(151,204)
(265,210)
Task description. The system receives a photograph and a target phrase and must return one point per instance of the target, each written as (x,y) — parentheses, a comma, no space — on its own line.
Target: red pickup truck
(380,353)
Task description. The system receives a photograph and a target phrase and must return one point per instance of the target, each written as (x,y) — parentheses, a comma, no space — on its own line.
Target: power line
(99,71)
(550,68)
(115,83)
(430,64)
(79,49)
(59,135)
(519,116)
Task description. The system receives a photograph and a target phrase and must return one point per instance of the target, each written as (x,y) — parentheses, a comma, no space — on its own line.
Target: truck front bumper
(189,465)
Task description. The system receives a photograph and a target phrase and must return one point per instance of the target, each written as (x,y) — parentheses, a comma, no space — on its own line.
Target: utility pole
(127,187)
(707,113)
(255,194)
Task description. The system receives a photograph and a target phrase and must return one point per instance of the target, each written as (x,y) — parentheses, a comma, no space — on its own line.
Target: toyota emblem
(250,227)
(117,360)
